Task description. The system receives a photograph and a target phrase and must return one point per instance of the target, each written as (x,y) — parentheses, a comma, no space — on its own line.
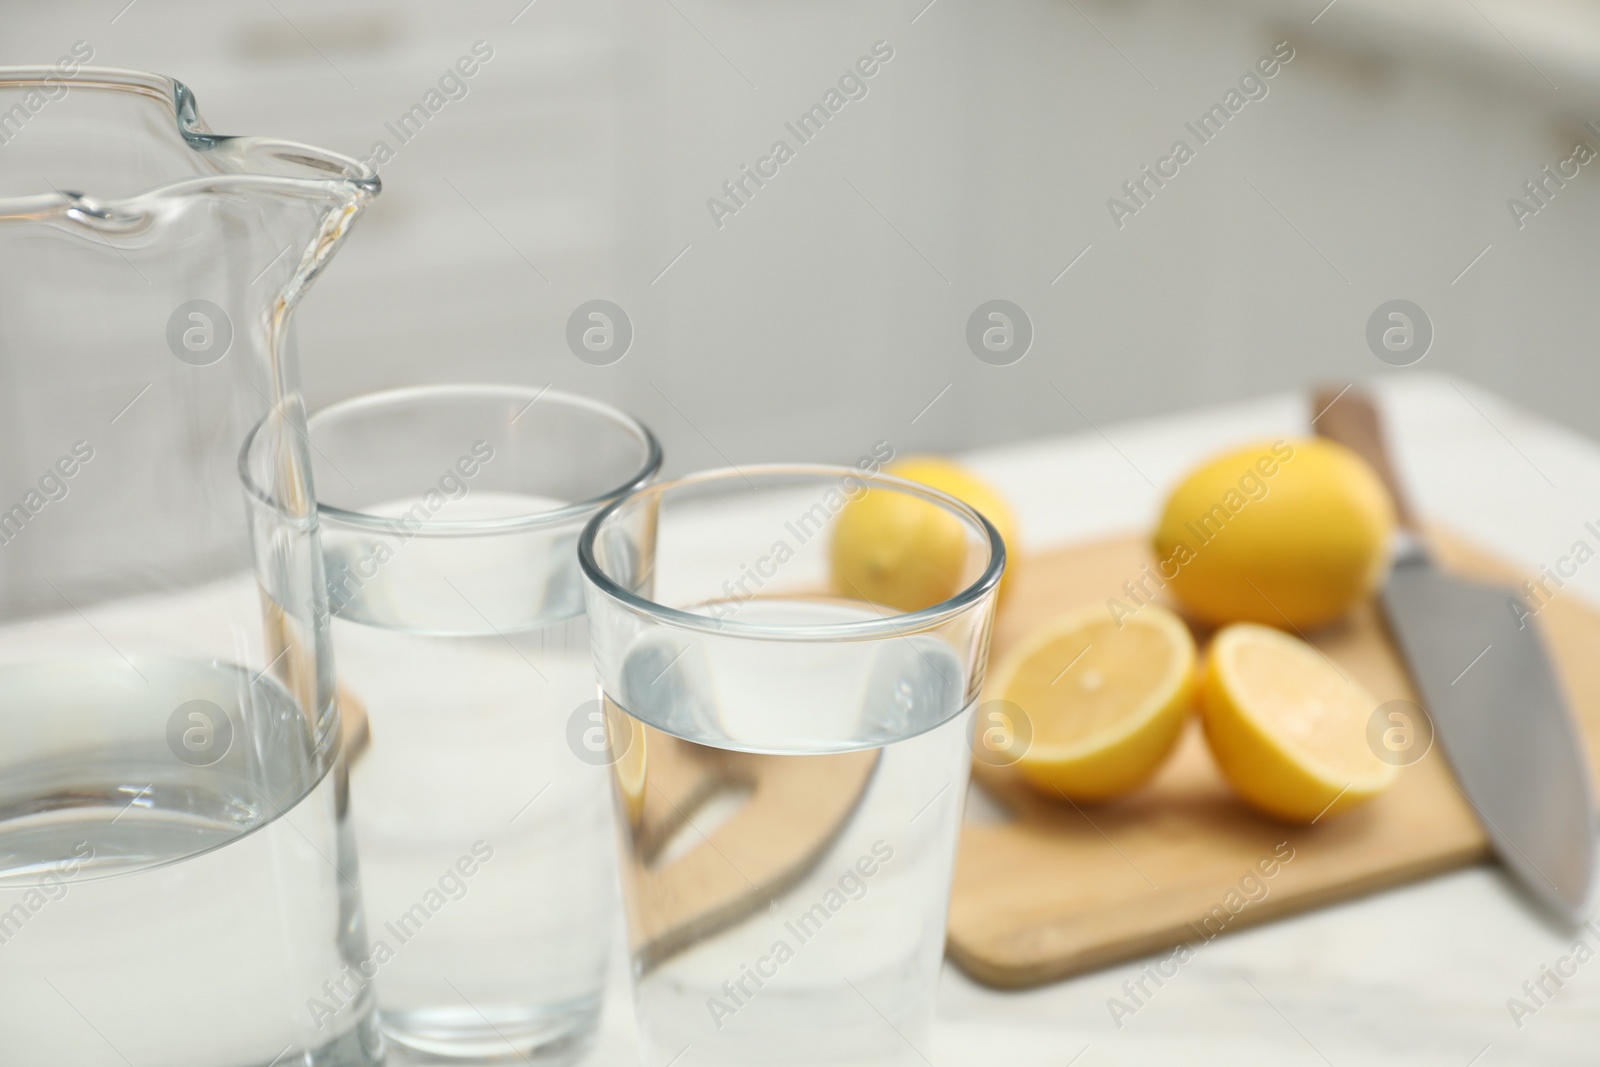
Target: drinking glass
(177,885)
(450,519)
(790,762)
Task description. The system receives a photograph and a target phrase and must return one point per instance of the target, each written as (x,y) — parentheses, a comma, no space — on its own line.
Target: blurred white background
(831,311)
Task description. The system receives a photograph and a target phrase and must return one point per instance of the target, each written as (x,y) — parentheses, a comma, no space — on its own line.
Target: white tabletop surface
(1417,975)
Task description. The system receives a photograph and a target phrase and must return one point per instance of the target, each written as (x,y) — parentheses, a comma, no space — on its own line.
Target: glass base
(360,1047)
(546,1037)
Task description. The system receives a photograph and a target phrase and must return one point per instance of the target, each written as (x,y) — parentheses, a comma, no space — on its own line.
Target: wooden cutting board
(1062,889)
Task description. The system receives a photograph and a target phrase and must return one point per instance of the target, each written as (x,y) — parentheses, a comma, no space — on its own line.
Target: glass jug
(176,879)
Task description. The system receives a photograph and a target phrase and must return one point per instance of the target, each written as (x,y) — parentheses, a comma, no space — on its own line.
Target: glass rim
(641,476)
(895,625)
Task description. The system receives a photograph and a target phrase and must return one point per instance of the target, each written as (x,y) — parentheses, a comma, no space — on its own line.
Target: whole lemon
(892,548)
(1285,533)
(972,491)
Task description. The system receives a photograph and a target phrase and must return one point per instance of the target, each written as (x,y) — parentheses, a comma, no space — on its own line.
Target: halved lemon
(631,764)
(1105,700)
(1287,728)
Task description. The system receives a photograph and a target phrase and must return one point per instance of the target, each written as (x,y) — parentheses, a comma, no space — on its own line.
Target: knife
(1488,685)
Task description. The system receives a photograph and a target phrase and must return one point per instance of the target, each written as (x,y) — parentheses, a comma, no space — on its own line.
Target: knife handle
(1351,418)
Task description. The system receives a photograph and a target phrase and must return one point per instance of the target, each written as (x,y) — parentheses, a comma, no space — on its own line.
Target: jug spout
(123,161)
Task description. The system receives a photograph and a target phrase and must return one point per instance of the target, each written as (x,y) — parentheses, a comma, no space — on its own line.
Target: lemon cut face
(1287,728)
(1104,702)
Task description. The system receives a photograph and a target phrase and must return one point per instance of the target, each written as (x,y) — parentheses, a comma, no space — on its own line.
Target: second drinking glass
(449,520)
(791,757)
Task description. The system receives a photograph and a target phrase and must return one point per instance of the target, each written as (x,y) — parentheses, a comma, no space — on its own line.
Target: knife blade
(1489,688)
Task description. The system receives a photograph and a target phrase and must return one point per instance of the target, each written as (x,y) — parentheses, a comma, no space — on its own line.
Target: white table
(1418,975)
